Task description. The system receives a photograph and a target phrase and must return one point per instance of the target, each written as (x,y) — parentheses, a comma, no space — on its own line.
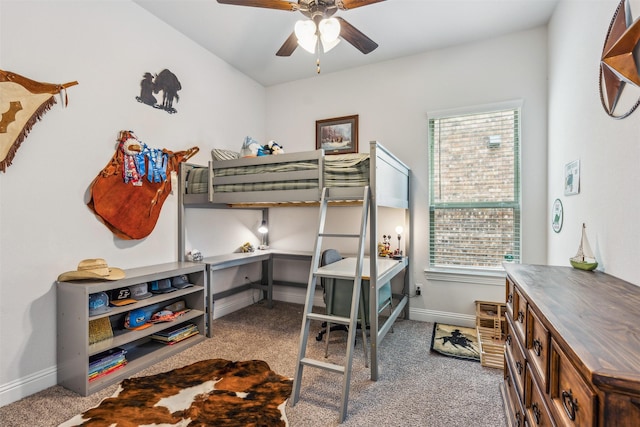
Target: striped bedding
(343,170)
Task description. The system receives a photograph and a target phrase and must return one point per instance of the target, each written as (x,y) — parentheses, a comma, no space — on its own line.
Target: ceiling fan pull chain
(318,59)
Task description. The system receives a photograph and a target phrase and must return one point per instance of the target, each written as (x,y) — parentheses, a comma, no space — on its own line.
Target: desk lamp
(263,229)
(399,231)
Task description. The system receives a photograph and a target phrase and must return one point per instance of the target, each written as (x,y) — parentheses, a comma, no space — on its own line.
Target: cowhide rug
(212,392)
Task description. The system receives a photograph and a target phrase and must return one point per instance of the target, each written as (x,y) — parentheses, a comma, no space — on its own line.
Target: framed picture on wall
(557,215)
(572,178)
(338,135)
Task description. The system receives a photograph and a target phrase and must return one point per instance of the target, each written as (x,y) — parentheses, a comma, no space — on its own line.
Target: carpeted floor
(415,388)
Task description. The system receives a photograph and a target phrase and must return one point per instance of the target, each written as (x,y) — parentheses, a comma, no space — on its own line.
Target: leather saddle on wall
(127,200)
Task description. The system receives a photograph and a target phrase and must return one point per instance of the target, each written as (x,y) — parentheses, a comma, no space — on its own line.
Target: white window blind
(475,188)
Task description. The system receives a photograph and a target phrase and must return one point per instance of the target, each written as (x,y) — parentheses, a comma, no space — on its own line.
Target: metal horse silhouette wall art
(151,85)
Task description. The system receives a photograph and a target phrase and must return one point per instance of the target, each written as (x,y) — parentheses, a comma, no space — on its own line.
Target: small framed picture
(338,135)
(572,178)
(557,215)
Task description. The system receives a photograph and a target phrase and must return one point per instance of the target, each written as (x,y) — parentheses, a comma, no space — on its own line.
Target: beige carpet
(416,387)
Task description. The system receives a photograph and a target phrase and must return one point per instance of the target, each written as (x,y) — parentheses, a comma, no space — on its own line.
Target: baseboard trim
(296,295)
(26,386)
(449,318)
(228,305)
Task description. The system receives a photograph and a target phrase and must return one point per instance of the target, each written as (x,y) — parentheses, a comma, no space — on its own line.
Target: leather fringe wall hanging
(22,103)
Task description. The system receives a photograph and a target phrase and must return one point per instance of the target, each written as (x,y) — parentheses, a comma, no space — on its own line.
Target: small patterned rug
(455,341)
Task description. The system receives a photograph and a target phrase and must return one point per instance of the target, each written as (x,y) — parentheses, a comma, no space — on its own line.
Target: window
(474,201)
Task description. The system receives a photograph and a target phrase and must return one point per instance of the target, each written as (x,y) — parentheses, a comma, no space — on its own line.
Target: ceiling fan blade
(352,4)
(289,46)
(269,4)
(351,34)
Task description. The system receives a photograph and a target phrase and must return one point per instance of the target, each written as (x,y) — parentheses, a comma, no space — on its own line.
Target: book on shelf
(105,356)
(182,337)
(104,363)
(173,332)
(176,334)
(106,371)
(93,368)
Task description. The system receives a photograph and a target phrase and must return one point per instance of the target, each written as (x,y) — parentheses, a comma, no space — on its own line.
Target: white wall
(608,149)
(392,100)
(45,227)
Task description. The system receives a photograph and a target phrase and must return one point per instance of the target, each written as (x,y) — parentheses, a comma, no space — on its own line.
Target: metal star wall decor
(618,64)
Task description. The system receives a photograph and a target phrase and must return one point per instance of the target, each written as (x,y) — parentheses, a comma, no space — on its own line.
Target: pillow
(222,154)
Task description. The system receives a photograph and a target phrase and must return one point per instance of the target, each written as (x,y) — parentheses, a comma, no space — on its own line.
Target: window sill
(467,275)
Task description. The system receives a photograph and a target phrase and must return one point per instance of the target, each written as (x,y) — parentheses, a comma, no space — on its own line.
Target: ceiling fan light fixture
(329,29)
(327,46)
(306,34)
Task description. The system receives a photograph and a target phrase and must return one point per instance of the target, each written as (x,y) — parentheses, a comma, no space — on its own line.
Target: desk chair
(337,297)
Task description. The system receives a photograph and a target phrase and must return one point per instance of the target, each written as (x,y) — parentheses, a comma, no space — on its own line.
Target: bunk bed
(298,179)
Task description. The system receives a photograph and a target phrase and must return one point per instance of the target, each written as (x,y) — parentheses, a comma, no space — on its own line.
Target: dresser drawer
(572,400)
(622,410)
(509,288)
(519,314)
(515,358)
(538,413)
(516,409)
(538,347)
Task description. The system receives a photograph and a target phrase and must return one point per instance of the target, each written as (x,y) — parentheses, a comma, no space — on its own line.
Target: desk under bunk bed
(298,179)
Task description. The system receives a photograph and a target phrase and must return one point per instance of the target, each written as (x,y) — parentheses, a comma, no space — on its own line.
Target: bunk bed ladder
(351,321)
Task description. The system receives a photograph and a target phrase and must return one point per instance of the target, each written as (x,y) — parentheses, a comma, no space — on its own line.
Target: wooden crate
(490,318)
(491,350)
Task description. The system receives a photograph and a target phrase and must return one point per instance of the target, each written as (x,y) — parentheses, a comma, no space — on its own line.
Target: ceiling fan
(321,27)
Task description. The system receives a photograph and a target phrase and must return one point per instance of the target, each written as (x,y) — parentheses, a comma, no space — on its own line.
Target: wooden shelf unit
(74,350)
(490,328)
(490,319)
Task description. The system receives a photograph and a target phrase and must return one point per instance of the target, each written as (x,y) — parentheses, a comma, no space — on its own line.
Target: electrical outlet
(418,289)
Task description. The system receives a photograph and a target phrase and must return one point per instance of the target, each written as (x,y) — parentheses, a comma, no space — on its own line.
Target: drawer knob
(536,412)
(537,346)
(570,404)
(509,340)
(521,316)
(510,298)
(519,367)
(518,419)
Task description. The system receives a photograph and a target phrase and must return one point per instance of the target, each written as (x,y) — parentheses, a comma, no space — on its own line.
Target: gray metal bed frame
(389,182)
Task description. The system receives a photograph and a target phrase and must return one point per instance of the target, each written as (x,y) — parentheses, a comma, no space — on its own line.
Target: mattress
(343,170)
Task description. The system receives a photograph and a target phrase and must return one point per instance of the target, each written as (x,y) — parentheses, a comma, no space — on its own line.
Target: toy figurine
(384,248)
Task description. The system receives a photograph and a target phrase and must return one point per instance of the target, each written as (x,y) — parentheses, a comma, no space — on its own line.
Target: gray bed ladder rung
(331,319)
(351,321)
(339,235)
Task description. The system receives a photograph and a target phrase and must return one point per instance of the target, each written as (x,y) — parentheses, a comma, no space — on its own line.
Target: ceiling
(248,37)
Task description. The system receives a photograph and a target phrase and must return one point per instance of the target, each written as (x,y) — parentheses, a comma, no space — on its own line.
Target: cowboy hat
(95,268)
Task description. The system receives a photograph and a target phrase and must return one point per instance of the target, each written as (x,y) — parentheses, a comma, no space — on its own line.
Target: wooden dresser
(572,353)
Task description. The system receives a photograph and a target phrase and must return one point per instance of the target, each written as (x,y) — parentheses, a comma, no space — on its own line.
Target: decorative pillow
(222,154)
